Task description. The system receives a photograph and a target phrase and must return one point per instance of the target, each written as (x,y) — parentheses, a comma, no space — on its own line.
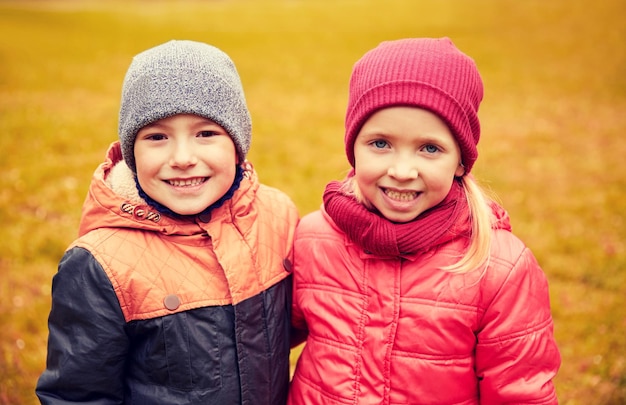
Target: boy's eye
(431,148)
(156,137)
(207,134)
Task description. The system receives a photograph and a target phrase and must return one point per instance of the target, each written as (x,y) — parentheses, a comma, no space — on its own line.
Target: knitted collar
(377,235)
(165,210)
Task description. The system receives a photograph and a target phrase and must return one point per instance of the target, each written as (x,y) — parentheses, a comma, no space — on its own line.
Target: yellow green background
(552,149)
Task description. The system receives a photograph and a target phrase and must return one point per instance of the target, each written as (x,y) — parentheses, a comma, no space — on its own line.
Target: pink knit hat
(421,72)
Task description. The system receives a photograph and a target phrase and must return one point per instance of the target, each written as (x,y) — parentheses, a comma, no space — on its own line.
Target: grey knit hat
(180,77)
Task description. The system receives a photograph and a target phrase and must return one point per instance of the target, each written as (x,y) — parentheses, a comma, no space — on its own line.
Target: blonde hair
(481,219)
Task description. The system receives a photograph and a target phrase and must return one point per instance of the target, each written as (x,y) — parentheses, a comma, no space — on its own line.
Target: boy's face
(185,162)
(405,161)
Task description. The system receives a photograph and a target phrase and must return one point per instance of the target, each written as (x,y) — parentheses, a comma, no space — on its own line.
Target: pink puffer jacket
(399,331)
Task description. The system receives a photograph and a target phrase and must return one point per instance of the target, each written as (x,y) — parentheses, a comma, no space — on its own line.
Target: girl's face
(405,162)
(185,162)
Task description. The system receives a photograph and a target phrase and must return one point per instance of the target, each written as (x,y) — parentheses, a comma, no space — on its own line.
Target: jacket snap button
(171,302)
(205,217)
(287,265)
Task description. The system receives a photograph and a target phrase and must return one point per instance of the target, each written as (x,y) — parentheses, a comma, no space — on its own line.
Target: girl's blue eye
(431,148)
(379,144)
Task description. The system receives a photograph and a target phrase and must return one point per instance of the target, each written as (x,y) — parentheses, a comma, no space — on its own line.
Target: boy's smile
(185,162)
(187,182)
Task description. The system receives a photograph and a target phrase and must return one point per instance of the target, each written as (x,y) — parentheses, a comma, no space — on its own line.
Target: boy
(177,290)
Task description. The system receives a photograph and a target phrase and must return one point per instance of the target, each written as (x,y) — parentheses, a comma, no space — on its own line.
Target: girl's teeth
(401,196)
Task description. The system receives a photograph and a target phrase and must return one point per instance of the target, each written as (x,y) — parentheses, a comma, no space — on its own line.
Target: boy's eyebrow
(158,124)
(153,125)
(209,121)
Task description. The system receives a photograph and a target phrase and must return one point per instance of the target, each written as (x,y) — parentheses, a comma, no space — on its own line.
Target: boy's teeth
(188,182)
(401,196)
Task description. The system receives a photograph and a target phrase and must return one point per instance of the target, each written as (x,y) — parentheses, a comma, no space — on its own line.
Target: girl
(177,290)
(408,284)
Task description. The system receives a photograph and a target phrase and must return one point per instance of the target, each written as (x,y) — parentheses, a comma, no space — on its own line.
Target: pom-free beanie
(429,73)
(183,77)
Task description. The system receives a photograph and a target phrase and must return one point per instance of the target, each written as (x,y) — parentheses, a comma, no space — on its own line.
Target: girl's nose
(403,169)
(183,155)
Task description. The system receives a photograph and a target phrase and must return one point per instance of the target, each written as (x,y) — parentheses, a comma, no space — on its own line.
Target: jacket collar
(114,202)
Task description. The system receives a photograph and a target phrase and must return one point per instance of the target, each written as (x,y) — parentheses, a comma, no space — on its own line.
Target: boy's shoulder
(273,197)
(95,239)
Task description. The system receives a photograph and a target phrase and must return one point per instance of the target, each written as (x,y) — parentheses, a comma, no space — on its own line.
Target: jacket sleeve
(87,343)
(299,330)
(516,354)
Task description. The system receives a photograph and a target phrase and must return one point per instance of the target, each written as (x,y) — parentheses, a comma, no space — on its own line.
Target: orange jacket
(148,308)
(240,249)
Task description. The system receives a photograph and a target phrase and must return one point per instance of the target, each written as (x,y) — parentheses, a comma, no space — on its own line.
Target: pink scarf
(376,234)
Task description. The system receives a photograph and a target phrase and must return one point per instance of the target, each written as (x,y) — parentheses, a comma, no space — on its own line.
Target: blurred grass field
(553,115)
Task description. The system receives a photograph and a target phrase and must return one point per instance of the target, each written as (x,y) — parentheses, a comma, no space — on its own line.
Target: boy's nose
(183,155)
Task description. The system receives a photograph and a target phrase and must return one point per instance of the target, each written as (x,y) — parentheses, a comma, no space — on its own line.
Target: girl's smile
(400,195)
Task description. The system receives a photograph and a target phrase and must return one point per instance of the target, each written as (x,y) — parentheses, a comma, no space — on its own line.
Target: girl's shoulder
(511,261)
(317,224)
(506,246)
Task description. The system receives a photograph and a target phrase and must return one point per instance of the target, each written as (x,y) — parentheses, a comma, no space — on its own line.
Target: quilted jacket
(395,330)
(147,309)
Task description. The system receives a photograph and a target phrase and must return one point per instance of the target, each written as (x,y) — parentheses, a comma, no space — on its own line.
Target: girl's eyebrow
(373,133)
(425,138)
(431,139)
